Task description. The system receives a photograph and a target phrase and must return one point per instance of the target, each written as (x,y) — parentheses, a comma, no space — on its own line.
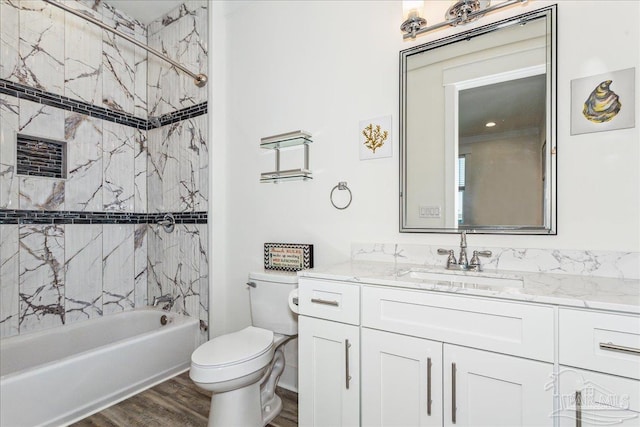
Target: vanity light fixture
(490,124)
(461,12)
(411,11)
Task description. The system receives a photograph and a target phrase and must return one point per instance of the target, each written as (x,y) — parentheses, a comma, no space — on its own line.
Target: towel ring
(342,185)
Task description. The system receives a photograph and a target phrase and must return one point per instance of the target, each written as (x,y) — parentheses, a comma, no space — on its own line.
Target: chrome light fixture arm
(460,13)
(412,25)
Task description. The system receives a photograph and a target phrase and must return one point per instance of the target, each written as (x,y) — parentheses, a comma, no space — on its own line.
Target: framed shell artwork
(603,102)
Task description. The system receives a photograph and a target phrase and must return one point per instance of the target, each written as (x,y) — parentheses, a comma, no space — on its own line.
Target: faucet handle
(482,253)
(475,261)
(451,260)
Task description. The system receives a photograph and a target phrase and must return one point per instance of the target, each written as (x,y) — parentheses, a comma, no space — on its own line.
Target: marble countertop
(602,293)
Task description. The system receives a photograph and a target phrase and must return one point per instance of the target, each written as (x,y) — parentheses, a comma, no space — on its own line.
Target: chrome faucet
(462,259)
(164,298)
(462,263)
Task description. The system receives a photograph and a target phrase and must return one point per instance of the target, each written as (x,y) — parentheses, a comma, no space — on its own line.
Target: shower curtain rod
(200,80)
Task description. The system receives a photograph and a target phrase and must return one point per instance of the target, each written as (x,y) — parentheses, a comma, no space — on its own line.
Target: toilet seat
(232,355)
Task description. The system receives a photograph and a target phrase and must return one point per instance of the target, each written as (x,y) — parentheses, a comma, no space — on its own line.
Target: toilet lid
(233,348)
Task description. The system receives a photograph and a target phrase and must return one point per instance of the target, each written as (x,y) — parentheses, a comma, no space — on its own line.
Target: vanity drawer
(524,330)
(325,299)
(604,342)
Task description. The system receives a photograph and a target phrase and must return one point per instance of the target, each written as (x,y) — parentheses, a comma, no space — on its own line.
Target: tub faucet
(164,298)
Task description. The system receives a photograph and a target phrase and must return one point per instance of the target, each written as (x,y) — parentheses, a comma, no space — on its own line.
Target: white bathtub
(58,376)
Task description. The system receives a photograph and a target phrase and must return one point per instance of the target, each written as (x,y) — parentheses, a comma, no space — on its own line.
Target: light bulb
(412,8)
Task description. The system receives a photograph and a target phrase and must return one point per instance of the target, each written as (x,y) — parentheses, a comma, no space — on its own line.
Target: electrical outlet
(429,212)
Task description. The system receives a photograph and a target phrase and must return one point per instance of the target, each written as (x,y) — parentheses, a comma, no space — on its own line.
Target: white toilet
(243,368)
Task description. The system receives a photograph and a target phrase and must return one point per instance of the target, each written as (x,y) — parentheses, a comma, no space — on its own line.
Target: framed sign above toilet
(288,256)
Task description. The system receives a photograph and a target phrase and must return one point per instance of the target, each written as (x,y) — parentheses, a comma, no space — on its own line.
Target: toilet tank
(269,301)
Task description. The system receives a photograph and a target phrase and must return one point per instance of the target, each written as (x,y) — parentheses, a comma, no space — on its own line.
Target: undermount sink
(464,277)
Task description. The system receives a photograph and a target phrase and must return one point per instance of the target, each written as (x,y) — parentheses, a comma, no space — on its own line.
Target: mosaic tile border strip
(39,96)
(178,116)
(80,217)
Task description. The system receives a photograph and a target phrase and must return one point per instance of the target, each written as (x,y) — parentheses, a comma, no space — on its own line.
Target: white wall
(323,66)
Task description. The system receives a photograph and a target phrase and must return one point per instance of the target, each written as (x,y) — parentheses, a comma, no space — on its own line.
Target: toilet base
(254,405)
(271,409)
(240,407)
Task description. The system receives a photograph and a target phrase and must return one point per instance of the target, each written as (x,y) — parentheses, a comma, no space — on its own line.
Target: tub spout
(164,298)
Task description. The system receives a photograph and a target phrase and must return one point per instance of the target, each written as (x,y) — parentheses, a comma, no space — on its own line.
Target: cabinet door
(329,373)
(401,380)
(594,399)
(489,389)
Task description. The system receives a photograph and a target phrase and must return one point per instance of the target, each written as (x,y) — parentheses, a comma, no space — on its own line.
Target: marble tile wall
(48,49)
(83,188)
(58,269)
(9,265)
(177,166)
(83,272)
(68,273)
(83,76)
(183,31)
(178,267)
(41,276)
(9,118)
(41,46)
(623,265)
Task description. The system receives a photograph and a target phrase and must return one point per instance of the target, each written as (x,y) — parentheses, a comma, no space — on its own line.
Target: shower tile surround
(83,247)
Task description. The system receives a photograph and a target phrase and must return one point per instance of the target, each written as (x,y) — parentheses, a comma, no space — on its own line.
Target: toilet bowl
(242,368)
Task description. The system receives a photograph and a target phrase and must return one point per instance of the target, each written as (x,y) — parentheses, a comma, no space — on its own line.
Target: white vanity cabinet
(329,354)
(440,358)
(596,399)
(427,380)
(599,375)
(328,379)
(483,388)
(409,381)
(401,380)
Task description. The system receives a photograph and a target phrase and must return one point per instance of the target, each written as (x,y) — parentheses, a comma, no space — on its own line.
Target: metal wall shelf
(285,140)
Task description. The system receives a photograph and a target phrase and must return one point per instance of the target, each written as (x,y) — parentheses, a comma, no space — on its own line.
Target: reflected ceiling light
(490,124)
(461,12)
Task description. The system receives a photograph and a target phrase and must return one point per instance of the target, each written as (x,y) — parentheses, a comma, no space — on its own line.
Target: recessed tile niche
(41,157)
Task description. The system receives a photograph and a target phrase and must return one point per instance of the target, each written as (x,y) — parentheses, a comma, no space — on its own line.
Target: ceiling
(146,11)
(514,105)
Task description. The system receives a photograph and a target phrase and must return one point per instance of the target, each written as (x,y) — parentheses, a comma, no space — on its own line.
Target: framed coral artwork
(375,138)
(603,102)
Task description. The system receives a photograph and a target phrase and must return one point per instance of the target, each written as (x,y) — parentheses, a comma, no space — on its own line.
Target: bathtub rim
(182,321)
(135,381)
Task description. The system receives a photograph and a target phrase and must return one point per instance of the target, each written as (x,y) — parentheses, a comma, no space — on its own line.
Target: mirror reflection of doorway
(501,132)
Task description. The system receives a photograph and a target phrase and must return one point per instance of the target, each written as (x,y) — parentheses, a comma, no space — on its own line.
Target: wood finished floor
(176,403)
